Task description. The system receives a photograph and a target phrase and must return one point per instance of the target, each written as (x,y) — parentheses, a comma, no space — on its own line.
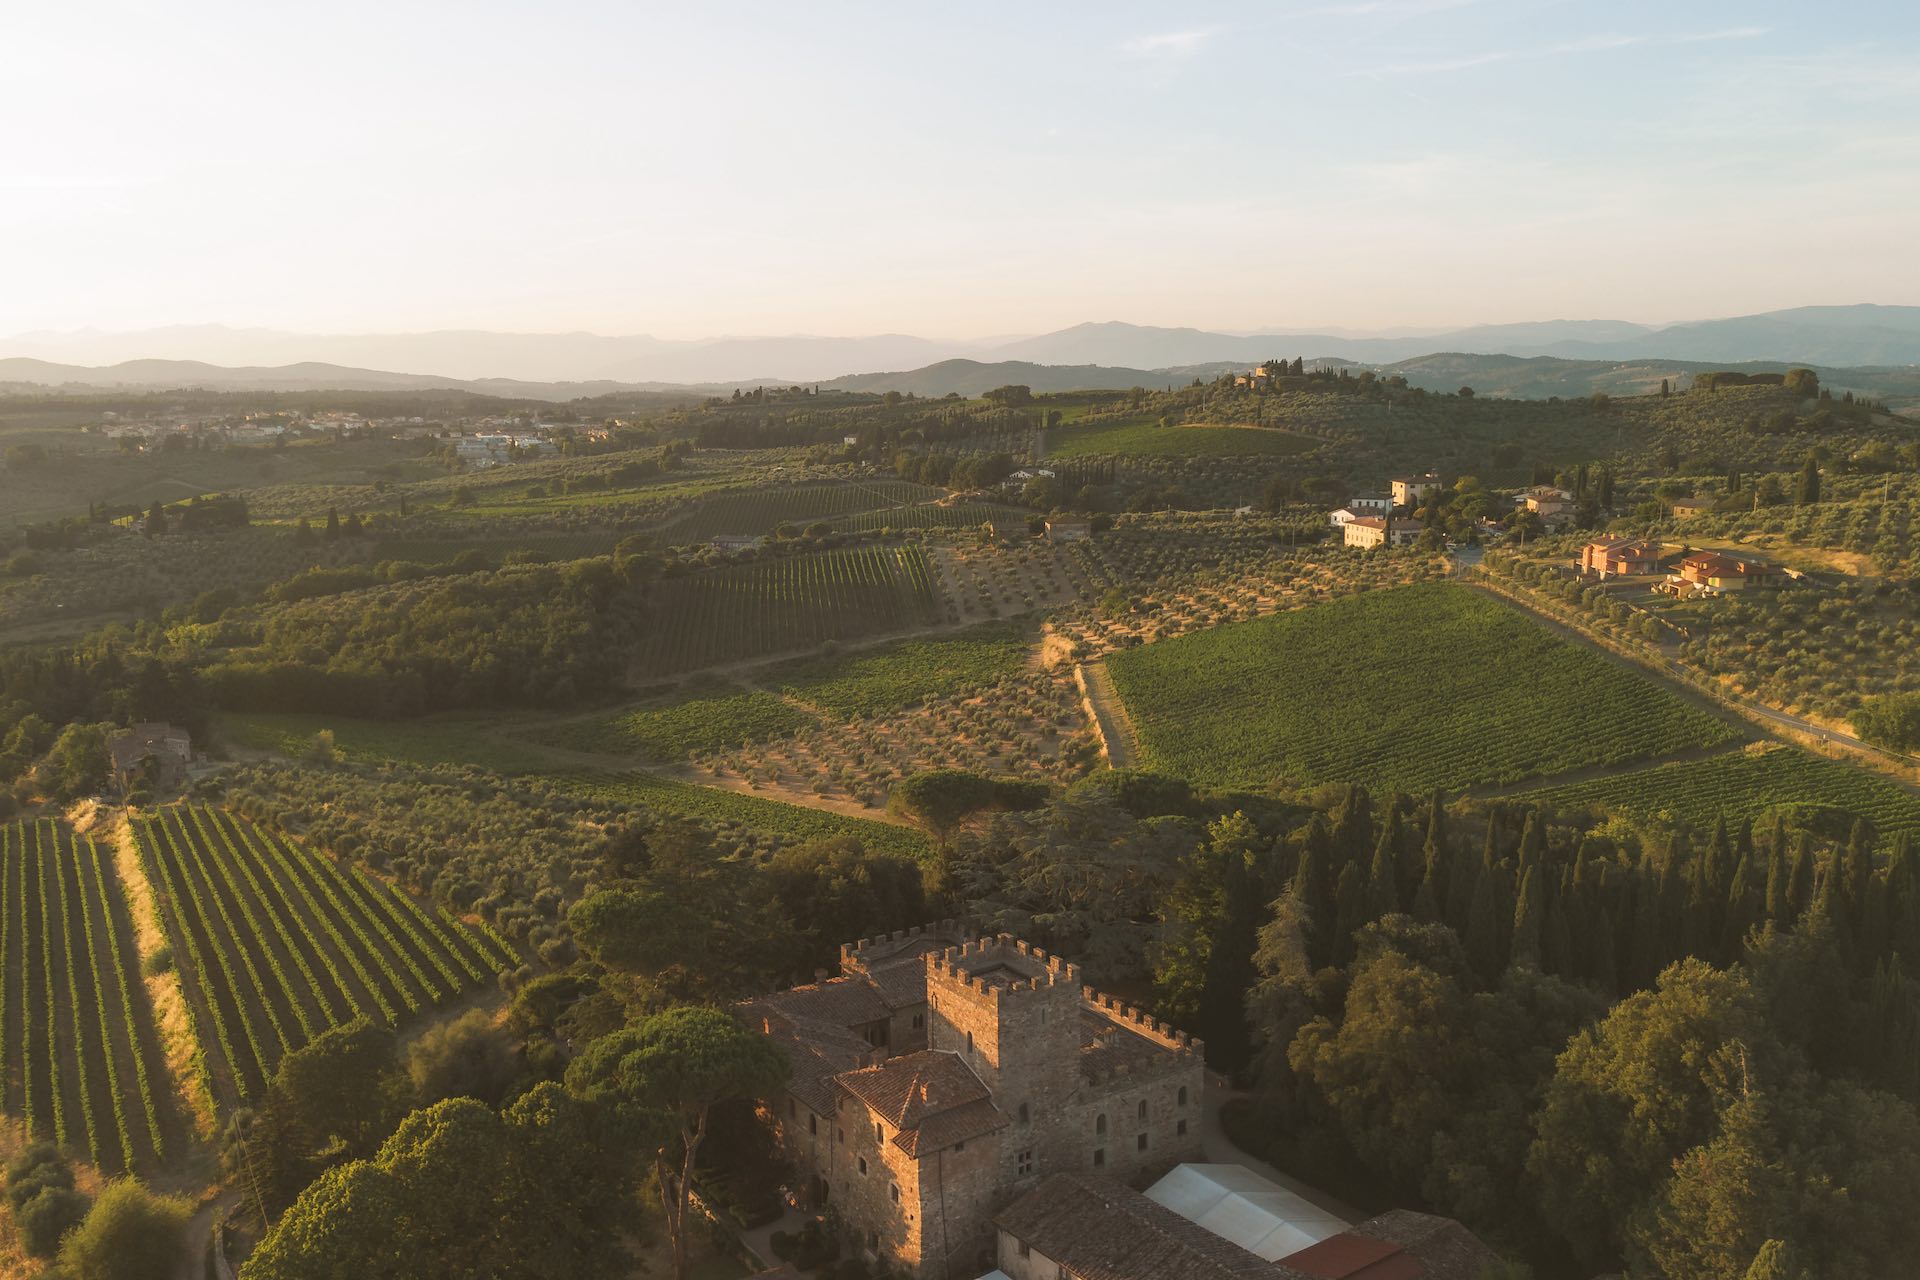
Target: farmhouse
(1371,504)
(1712,572)
(938,1078)
(1554,506)
(1367,532)
(1409,490)
(731,542)
(154,752)
(1621,557)
(1687,508)
(1342,518)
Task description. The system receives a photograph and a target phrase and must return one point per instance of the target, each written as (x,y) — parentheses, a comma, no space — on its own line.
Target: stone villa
(939,1078)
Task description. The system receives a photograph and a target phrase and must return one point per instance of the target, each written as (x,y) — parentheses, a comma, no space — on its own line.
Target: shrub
(47,1217)
(161,961)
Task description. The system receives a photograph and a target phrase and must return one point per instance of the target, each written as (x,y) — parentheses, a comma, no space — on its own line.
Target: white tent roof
(1239,1205)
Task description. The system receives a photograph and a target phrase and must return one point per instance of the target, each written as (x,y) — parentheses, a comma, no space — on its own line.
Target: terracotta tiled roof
(843,1002)
(1102,1230)
(960,1124)
(931,1098)
(1445,1249)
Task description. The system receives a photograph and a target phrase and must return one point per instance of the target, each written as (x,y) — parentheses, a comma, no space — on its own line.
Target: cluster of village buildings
(1384,519)
(967,1108)
(477,443)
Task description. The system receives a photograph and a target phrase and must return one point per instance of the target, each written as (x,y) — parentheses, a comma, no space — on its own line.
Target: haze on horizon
(1002,169)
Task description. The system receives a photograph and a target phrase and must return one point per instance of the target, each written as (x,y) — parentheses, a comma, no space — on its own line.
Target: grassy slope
(1145,439)
(1423,686)
(888,678)
(713,804)
(710,720)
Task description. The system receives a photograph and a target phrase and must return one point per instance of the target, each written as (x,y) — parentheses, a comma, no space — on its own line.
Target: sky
(955,171)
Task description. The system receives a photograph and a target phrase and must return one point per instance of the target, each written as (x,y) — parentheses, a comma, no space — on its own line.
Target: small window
(1100,1124)
(958,1147)
(873,1239)
(1099,1156)
(1026,1163)
(813,1123)
(1139,1143)
(878,1134)
(894,1191)
(1181,1129)
(1143,1111)
(840,1135)
(1183,1095)
(969,1042)
(1024,1250)
(919,1021)
(1026,1116)
(863,1163)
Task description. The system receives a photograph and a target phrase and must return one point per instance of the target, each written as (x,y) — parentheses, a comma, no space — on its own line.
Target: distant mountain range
(1832,336)
(1529,377)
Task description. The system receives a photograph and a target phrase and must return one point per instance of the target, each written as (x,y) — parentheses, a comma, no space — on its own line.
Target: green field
(1147,439)
(710,720)
(457,739)
(1746,784)
(777,605)
(1433,685)
(715,804)
(889,677)
(931,515)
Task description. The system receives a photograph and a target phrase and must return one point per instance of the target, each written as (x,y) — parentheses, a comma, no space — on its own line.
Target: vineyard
(931,515)
(82,1062)
(1425,686)
(277,943)
(792,602)
(710,720)
(757,511)
(1746,784)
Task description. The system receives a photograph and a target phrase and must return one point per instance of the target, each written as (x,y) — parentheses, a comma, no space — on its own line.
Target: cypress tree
(1462,880)
(1738,917)
(333,524)
(1484,951)
(1830,904)
(1353,833)
(1533,842)
(1426,908)
(1859,874)
(1312,889)
(1556,941)
(1383,882)
(1779,904)
(1434,851)
(1800,879)
(1529,919)
(1602,970)
(1351,912)
(1646,953)
(1903,903)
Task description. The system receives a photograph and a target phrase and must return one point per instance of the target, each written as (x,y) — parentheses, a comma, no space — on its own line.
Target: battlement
(1135,1020)
(856,955)
(989,967)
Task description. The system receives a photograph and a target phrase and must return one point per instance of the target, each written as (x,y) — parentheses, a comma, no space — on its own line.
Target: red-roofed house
(1621,557)
(1716,571)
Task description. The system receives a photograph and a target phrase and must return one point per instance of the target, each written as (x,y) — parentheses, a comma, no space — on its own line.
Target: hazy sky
(967,169)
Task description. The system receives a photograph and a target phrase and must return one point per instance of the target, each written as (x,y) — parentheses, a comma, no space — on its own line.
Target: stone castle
(939,1077)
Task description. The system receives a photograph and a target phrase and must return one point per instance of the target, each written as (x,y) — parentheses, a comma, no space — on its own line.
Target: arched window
(1100,1124)
(969,1042)
(1143,1110)
(1183,1095)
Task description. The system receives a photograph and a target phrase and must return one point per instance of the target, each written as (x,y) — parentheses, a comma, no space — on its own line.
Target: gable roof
(931,1098)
